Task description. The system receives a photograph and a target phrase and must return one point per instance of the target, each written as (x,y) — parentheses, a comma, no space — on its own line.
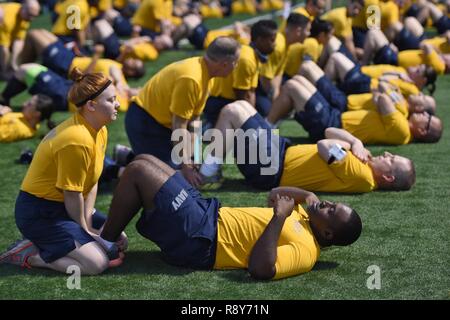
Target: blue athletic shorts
(443,24)
(355,82)
(213,107)
(112,47)
(54,86)
(58,58)
(148,136)
(197,39)
(150,33)
(47,224)
(122,26)
(386,56)
(359,37)
(405,40)
(335,97)
(263,160)
(318,116)
(183,224)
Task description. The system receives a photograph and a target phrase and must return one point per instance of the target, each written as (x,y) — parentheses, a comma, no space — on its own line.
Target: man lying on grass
(197,232)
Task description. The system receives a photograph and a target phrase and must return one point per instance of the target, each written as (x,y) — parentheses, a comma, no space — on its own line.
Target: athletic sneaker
(213,182)
(19,252)
(121,154)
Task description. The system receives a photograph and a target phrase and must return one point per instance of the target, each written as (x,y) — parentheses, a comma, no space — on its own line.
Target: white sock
(105,243)
(211,165)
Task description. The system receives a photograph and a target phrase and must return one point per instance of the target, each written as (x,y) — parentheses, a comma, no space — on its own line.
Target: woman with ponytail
(55,208)
(15,126)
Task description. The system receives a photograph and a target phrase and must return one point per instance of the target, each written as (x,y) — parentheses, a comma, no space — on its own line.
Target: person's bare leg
(110,15)
(338,66)
(375,40)
(90,258)
(414,26)
(137,188)
(304,92)
(101,30)
(434,11)
(4,62)
(311,71)
(36,41)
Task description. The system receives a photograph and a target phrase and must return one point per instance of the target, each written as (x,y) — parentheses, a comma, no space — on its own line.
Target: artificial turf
(405,234)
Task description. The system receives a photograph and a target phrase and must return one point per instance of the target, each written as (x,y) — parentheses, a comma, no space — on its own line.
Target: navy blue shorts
(150,33)
(263,154)
(263,101)
(112,47)
(148,136)
(122,26)
(405,40)
(332,94)
(58,58)
(355,82)
(359,37)
(47,224)
(386,56)
(54,86)
(343,49)
(197,39)
(318,116)
(213,107)
(183,224)
(443,24)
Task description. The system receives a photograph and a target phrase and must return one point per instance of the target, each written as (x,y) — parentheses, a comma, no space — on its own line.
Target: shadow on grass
(135,263)
(237,185)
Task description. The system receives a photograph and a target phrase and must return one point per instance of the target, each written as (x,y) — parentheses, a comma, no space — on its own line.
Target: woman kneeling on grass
(55,208)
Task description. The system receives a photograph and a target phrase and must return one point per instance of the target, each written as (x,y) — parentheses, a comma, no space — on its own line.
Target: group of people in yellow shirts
(346,83)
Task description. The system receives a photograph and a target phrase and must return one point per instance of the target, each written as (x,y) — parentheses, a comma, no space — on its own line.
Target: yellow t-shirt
(360,21)
(143,51)
(14,127)
(411,58)
(151,12)
(243,6)
(390,14)
(103,66)
(377,71)
(66,12)
(303,11)
(341,22)
(102,6)
(267,5)
(208,11)
(70,158)
(297,53)
(373,128)
(243,77)
(277,59)
(214,34)
(304,168)
(240,228)
(13,27)
(181,88)
(440,44)
(365,102)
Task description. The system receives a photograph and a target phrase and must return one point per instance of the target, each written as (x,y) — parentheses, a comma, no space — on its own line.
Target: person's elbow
(261,271)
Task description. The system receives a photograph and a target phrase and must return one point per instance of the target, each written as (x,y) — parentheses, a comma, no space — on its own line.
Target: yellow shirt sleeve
(73,162)
(341,23)
(434,60)
(293,259)
(396,128)
(245,77)
(185,98)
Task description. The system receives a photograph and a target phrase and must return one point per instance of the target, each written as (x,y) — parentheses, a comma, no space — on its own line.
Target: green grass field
(406,234)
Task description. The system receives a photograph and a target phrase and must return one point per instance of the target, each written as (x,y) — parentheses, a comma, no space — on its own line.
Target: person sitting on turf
(196,232)
(16,126)
(311,166)
(318,104)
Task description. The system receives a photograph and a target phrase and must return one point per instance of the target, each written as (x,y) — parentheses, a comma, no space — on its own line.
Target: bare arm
(299,195)
(356,146)
(17,47)
(248,95)
(324,146)
(348,41)
(80,35)
(75,205)
(187,167)
(263,257)
(89,204)
(385,105)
